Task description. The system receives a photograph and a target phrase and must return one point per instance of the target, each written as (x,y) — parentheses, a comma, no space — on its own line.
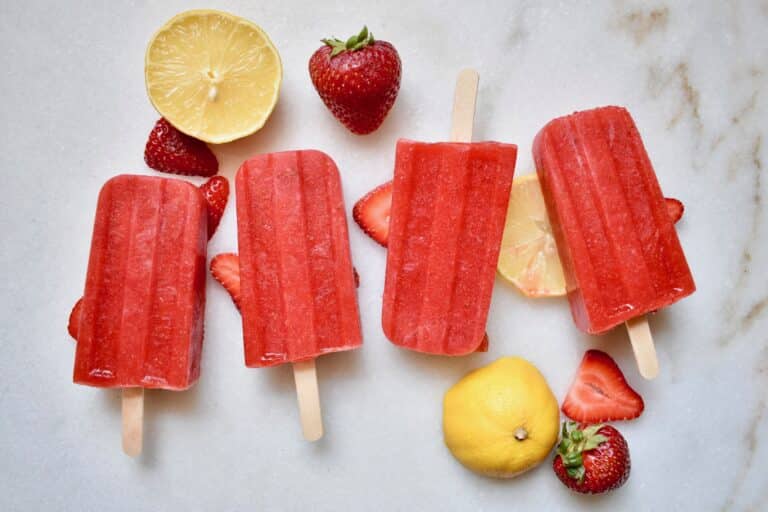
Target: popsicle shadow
(232,154)
(330,368)
(112,398)
(615,342)
(156,402)
(661,328)
(446,368)
(161,402)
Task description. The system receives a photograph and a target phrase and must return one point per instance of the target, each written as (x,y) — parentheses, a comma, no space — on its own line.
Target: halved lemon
(213,75)
(528,257)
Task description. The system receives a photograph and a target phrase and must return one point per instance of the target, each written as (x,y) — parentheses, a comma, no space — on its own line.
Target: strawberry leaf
(354,43)
(593,429)
(594,441)
(576,473)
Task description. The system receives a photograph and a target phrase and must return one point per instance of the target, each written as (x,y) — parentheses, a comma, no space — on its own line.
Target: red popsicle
(448,209)
(619,248)
(298,298)
(142,312)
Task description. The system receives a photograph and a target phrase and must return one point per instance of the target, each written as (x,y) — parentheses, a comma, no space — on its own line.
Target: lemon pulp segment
(528,257)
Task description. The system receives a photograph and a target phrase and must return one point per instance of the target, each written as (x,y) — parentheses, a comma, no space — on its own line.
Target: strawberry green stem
(574,443)
(353,44)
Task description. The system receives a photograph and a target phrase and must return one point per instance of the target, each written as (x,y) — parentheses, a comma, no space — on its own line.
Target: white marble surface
(695,76)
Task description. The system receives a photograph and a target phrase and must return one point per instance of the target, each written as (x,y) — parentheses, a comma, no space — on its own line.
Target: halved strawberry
(483,347)
(372,213)
(225,268)
(600,392)
(169,150)
(216,193)
(74,318)
(675,208)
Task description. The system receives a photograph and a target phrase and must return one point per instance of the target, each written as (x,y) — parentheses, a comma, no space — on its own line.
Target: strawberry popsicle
(141,324)
(449,203)
(142,312)
(298,298)
(298,291)
(617,243)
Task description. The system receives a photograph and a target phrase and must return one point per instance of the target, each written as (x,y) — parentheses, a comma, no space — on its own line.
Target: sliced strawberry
(225,268)
(483,347)
(600,392)
(216,193)
(169,150)
(372,213)
(675,208)
(74,318)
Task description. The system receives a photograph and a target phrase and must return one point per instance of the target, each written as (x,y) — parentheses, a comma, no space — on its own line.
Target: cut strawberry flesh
(225,268)
(74,318)
(675,208)
(372,213)
(216,193)
(600,392)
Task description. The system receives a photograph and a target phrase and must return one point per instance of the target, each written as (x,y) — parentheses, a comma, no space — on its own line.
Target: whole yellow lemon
(501,420)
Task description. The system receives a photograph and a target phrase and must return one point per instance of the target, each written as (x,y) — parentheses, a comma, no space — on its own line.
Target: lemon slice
(528,257)
(213,75)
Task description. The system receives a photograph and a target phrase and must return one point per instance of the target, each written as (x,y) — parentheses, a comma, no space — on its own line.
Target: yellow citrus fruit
(528,257)
(502,419)
(213,75)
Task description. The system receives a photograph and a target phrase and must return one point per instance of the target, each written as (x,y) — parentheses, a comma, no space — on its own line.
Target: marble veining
(640,23)
(744,320)
(752,436)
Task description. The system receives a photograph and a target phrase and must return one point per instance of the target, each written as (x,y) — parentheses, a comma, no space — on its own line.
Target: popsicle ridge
(295,262)
(619,248)
(448,208)
(666,233)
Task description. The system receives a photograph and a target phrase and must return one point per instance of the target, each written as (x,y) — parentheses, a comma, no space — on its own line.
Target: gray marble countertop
(695,76)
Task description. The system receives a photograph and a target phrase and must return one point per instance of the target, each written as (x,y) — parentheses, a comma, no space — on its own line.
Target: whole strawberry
(169,150)
(593,459)
(357,79)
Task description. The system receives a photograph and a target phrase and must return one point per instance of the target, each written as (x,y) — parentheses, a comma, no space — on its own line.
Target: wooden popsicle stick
(133,420)
(305,375)
(463,116)
(642,346)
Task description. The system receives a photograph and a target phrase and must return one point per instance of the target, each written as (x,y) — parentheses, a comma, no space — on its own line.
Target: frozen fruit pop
(448,209)
(142,320)
(298,290)
(619,248)
(298,298)
(142,313)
